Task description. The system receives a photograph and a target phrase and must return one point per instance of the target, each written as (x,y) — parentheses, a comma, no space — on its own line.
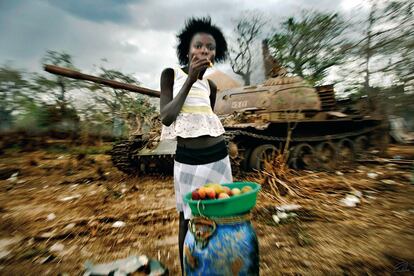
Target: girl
(186,106)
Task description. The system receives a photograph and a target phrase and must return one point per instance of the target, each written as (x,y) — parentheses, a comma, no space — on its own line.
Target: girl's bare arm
(170,106)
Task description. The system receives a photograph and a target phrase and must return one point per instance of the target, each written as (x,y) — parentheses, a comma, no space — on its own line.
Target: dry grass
(283,185)
(324,238)
(277,179)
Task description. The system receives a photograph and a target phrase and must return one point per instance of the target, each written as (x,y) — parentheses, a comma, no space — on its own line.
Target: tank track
(121,156)
(124,153)
(241,161)
(125,157)
(230,134)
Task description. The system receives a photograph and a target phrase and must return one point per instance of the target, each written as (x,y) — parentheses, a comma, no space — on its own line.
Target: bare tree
(248,29)
(386,46)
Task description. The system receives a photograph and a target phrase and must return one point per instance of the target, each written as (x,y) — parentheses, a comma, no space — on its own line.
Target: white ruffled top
(196,117)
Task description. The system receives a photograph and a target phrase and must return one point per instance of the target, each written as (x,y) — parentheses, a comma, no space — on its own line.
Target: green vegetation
(45,104)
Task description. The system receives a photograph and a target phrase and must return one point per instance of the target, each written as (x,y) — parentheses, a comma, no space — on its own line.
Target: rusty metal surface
(279,97)
(327,96)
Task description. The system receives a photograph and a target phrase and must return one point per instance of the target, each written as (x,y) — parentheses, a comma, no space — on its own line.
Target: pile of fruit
(217,191)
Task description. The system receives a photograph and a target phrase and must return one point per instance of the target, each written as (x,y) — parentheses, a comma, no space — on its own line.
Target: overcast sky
(134,36)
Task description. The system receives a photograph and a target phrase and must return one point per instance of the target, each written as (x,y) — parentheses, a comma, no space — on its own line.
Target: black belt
(201,156)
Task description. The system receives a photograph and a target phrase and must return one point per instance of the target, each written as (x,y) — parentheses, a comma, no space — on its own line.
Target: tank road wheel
(326,155)
(361,145)
(346,151)
(260,154)
(302,157)
(245,158)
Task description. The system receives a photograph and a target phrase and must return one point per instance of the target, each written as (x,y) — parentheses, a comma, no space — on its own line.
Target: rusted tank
(283,112)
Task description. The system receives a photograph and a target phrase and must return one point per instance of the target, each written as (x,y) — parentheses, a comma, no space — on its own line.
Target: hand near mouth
(196,66)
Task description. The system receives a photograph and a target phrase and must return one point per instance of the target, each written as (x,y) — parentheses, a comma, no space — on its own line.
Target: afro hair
(200,25)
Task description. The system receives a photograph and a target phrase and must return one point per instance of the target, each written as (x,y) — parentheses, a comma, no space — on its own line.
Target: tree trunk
(62,100)
(367,87)
(368,53)
(6,119)
(246,78)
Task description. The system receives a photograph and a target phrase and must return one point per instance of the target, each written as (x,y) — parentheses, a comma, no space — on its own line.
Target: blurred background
(362,47)
(63,202)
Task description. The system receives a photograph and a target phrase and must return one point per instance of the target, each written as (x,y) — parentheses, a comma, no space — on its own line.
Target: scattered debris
(57,247)
(127,266)
(70,226)
(46,235)
(68,198)
(118,224)
(388,181)
(282,215)
(13,177)
(372,175)
(276,218)
(6,173)
(83,226)
(51,216)
(288,207)
(350,201)
(281,244)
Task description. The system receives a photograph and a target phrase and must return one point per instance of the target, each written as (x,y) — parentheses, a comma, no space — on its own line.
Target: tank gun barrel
(57,70)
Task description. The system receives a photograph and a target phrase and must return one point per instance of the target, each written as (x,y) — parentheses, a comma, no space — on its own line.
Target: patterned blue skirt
(221,249)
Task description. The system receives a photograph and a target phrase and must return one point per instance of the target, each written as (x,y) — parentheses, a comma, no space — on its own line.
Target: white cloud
(348,5)
(140,43)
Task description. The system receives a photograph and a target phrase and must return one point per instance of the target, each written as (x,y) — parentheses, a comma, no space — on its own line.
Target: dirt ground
(60,209)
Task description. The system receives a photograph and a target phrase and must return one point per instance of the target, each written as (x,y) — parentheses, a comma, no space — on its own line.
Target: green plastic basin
(225,207)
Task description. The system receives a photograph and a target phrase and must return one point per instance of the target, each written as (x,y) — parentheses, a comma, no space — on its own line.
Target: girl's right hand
(196,66)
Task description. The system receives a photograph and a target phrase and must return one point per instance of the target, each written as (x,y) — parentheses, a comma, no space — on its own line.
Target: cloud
(96,10)
(170,15)
(136,37)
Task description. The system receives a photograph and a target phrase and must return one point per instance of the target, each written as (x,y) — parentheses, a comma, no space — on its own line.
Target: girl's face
(203,46)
